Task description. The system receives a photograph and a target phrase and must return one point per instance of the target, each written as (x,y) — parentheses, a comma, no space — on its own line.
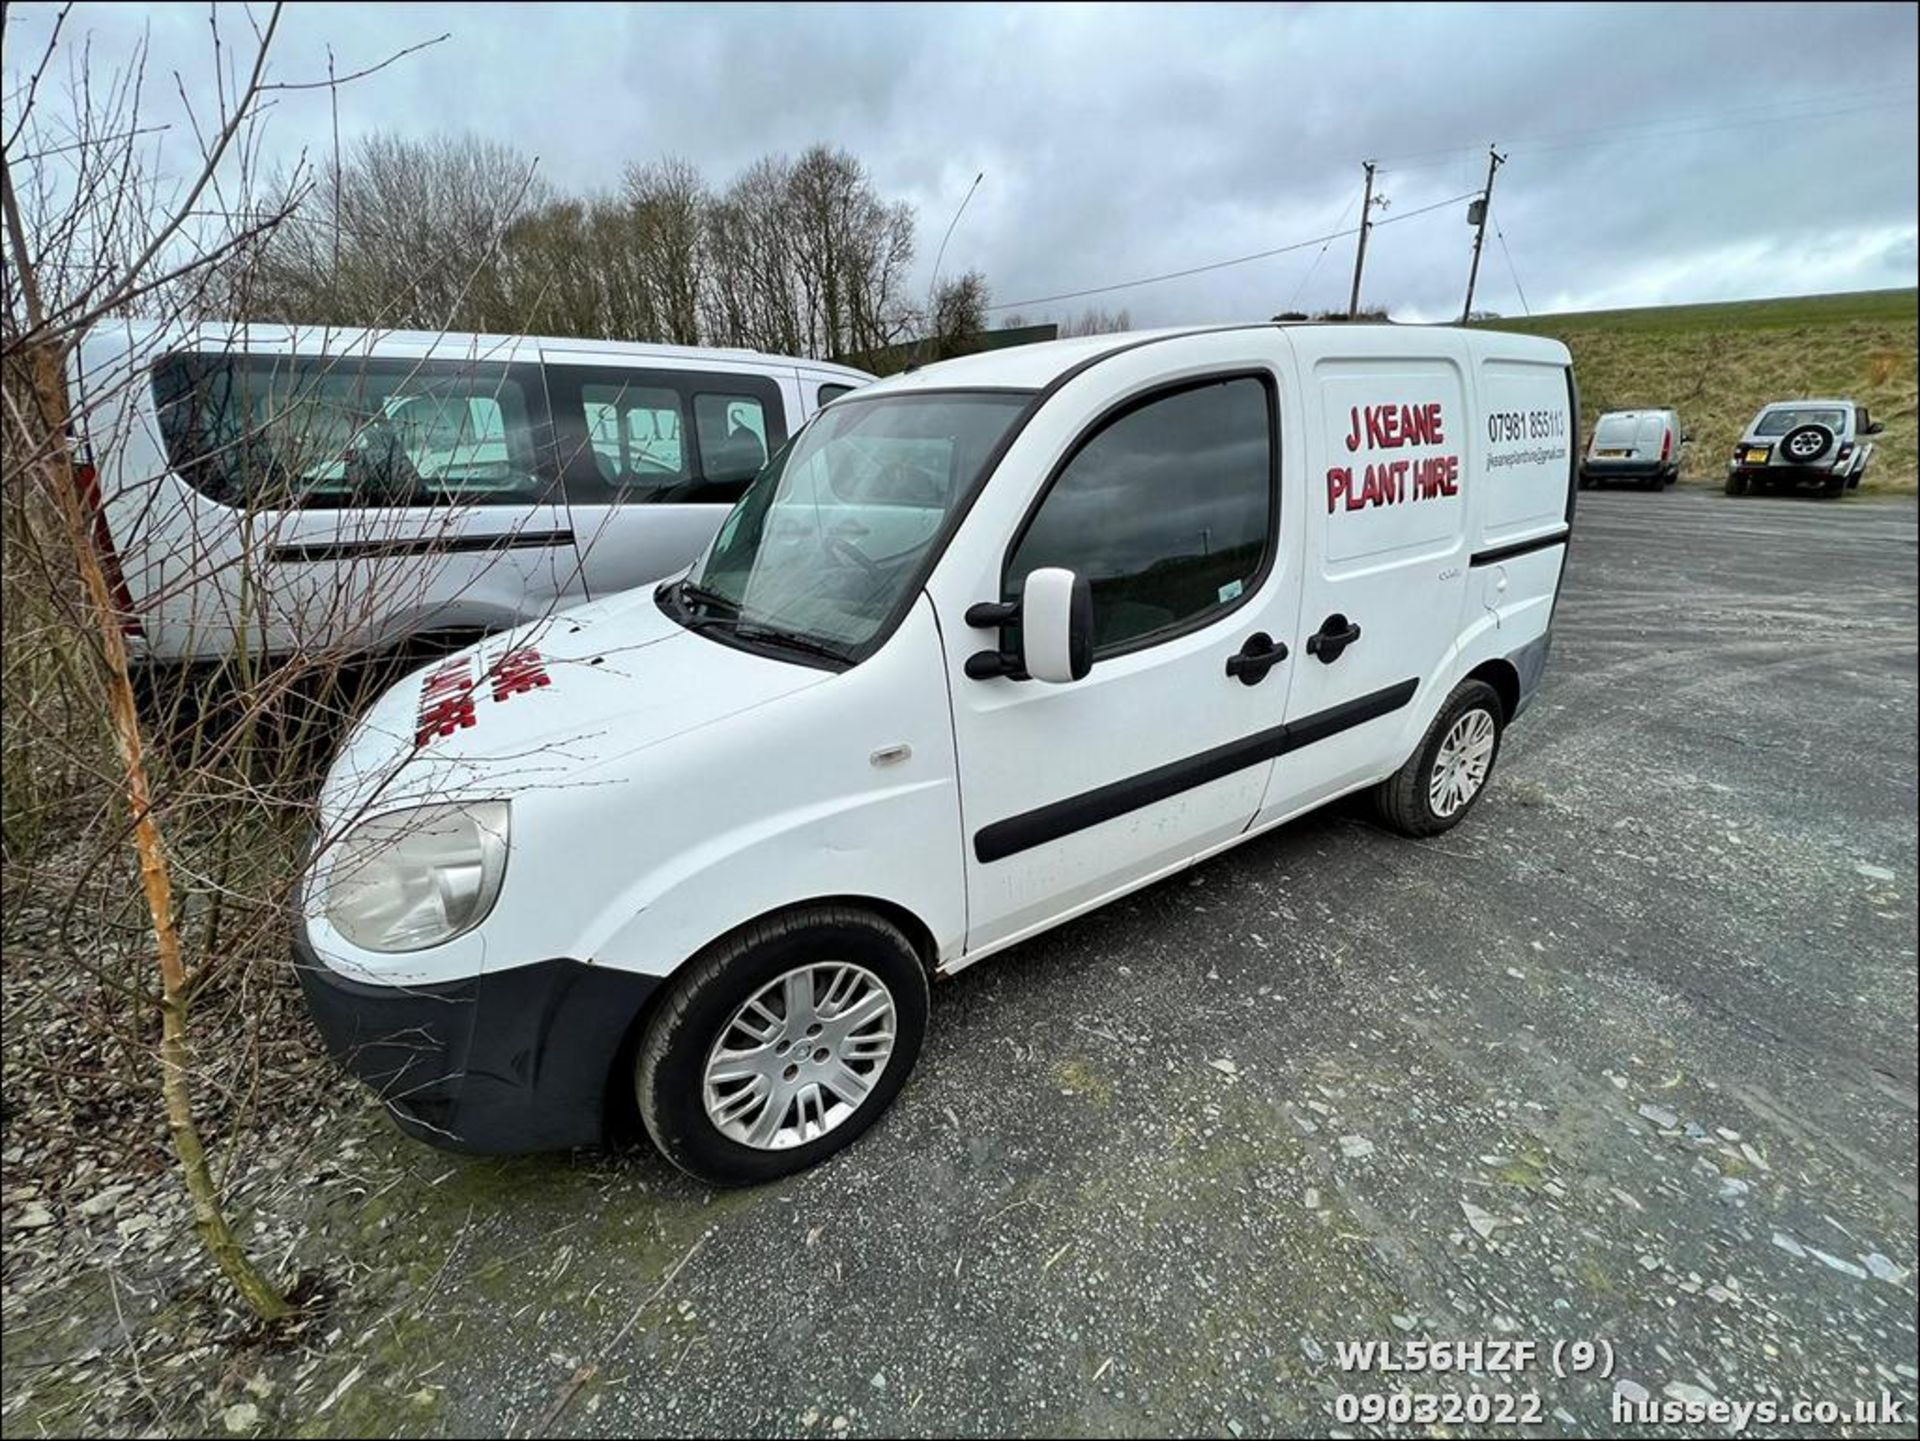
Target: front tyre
(781,1044)
(1450,767)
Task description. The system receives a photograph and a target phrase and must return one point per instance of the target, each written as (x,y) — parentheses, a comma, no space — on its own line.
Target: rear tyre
(1449,770)
(1736,484)
(781,1044)
(1833,485)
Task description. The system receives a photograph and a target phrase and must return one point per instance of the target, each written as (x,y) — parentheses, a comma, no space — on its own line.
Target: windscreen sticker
(1399,480)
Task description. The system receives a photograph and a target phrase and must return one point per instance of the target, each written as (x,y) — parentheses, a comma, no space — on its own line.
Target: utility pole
(1360,255)
(1494,161)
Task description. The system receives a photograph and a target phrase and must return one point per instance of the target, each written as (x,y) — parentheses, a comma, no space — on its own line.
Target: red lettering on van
(1339,484)
(518,671)
(1390,427)
(446,702)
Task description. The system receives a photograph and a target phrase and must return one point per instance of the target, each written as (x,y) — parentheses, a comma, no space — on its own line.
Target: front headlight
(415,878)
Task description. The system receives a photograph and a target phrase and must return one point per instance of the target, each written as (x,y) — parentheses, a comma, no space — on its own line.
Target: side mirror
(1685,436)
(1876,427)
(1056,625)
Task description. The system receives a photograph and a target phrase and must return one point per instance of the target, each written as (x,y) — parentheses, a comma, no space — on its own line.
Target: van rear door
(1387,441)
(654,455)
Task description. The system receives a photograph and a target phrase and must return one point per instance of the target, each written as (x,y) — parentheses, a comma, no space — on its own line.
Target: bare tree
(96,229)
(401,232)
(1096,321)
(667,203)
(852,251)
(959,315)
(753,263)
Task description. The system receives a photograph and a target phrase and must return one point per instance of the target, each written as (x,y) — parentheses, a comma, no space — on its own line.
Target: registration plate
(1755,455)
(1614,454)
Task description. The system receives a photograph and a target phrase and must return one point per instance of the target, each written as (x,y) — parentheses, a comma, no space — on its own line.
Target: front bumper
(508,1061)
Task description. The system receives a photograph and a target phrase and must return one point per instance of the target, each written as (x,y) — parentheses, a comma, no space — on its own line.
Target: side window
(733,435)
(1167,510)
(636,433)
(335,434)
(831,392)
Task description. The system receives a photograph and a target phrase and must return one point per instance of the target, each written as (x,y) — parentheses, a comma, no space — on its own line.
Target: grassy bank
(1718,364)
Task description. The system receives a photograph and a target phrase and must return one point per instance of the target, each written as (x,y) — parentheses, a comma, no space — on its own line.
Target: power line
(1500,235)
(1653,130)
(1294,299)
(1223,264)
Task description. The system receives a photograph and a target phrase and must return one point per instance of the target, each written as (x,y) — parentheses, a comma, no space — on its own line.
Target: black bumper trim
(508,1061)
(1625,469)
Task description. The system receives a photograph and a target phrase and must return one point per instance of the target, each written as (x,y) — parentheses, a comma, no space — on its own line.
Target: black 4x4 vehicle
(1794,443)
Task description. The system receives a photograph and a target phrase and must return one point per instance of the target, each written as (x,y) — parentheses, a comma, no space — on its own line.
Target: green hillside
(1718,364)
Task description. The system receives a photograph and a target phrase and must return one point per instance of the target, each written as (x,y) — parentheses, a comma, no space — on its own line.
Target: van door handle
(1254,659)
(1336,633)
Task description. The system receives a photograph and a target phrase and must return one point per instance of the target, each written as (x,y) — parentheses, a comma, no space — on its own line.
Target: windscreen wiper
(691,593)
(787,640)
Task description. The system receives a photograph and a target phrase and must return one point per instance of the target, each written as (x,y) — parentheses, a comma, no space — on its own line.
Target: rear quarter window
(294,432)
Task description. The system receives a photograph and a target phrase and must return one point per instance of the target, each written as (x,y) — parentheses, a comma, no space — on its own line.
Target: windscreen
(836,530)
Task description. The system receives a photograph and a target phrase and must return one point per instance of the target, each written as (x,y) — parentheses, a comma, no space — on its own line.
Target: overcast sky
(1656,153)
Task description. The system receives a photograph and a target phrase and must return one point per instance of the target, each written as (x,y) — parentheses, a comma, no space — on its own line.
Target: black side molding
(1520,547)
(420,545)
(1062,818)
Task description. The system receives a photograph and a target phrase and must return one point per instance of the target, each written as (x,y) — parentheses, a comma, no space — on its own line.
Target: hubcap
(800,1056)
(1460,769)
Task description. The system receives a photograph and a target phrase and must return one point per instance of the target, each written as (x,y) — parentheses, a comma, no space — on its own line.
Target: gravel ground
(1628,1058)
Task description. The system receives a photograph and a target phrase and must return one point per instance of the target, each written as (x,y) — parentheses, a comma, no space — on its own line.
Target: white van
(282,489)
(993,643)
(1644,446)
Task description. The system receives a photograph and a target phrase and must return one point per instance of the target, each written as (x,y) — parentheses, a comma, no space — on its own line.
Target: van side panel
(1391,450)
(863,810)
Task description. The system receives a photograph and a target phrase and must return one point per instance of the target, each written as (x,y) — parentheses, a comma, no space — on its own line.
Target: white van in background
(1643,446)
(991,644)
(280,489)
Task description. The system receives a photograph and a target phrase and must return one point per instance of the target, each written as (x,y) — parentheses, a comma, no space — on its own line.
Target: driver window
(1166,510)
(637,434)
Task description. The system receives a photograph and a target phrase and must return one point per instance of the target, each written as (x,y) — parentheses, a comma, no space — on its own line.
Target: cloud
(1677,153)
